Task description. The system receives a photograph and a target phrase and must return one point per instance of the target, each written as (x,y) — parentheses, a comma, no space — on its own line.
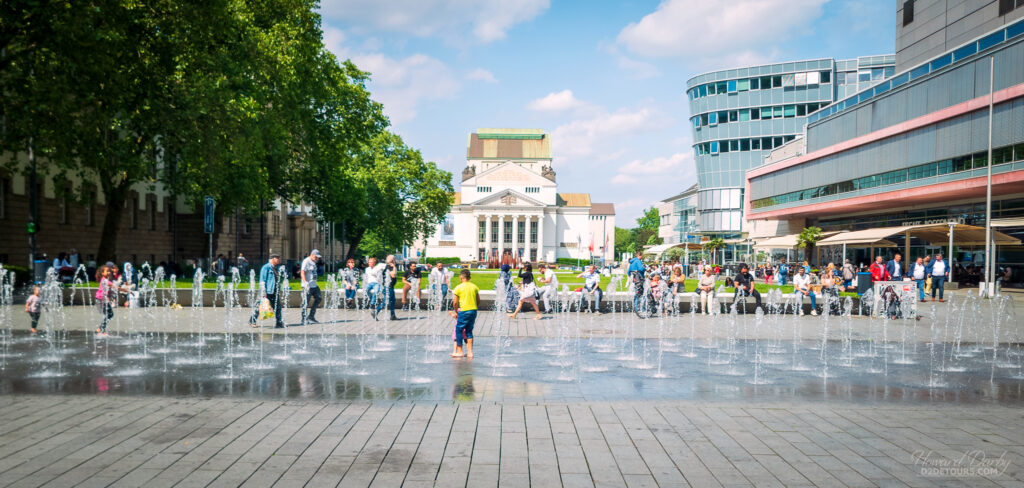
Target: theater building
(509,208)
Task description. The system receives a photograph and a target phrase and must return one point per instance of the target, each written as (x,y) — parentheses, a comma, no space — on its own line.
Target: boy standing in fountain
(309,285)
(467,295)
(269,283)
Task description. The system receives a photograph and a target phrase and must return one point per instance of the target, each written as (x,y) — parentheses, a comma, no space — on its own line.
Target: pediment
(508,174)
(508,198)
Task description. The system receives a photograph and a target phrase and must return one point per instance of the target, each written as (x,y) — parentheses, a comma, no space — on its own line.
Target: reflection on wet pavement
(528,369)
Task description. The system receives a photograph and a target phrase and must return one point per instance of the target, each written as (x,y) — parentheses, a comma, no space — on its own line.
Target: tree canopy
(238,99)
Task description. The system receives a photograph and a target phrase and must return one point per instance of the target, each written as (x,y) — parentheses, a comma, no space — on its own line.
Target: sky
(606,79)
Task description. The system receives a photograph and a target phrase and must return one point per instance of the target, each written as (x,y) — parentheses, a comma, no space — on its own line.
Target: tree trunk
(354,236)
(115,197)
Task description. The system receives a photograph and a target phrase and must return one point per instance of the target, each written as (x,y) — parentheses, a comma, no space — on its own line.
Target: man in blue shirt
(636,273)
(270,284)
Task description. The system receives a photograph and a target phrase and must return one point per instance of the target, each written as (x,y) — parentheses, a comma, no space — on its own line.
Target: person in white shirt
(592,285)
(706,287)
(939,271)
(372,279)
(919,272)
(438,288)
(307,271)
(549,288)
(802,283)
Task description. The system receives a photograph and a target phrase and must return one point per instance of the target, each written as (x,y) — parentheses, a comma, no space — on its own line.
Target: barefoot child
(33,306)
(467,295)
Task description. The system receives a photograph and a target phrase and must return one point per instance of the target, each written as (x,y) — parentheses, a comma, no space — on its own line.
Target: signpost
(208,206)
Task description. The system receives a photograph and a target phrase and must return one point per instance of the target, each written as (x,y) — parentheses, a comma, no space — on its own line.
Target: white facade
(511,210)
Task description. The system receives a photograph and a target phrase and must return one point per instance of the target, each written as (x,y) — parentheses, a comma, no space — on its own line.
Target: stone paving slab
(55,441)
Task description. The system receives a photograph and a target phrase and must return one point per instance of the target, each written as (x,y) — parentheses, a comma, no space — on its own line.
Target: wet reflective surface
(338,367)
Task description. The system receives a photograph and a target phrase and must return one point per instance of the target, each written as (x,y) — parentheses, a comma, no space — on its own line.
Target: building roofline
(754,66)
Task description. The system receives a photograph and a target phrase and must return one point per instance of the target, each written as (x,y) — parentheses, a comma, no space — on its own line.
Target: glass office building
(914,148)
(738,115)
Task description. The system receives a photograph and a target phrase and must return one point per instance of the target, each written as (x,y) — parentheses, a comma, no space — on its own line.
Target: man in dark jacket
(894,268)
(744,283)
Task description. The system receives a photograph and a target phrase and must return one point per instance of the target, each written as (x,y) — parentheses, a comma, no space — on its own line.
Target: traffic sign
(208,215)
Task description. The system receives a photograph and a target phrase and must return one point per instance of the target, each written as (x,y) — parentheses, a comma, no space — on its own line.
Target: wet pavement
(418,368)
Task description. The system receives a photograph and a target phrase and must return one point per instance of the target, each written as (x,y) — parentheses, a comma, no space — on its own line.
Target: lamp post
(952,224)
(989,263)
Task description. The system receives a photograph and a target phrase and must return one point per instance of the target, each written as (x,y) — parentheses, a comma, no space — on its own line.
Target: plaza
(371,244)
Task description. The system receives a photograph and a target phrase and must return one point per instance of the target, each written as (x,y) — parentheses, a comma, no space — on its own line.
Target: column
(515,234)
(501,237)
(526,236)
(487,236)
(540,237)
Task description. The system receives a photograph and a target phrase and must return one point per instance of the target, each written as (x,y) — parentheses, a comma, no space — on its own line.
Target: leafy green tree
(400,196)
(625,240)
(713,245)
(650,220)
(807,239)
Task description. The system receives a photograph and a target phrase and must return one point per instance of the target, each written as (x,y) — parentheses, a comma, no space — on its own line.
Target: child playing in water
(467,295)
(33,306)
(106,298)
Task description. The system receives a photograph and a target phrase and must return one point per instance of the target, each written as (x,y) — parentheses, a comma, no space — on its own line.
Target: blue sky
(606,79)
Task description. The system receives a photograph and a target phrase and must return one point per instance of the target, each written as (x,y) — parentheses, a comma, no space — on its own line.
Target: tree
(807,239)
(625,240)
(650,220)
(713,245)
(238,99)
(399,196)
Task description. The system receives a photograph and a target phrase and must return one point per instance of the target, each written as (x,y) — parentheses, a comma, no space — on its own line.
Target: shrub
(434,260)
(572,262)
(22,275)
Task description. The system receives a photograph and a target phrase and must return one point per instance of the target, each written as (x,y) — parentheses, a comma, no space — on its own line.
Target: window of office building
(1006,6)
(521,237)
(908,11)
(483,230)
(483,189)
(508,232)
(533,189)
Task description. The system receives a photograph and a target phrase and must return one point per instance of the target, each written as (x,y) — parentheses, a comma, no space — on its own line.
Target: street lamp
(989,262)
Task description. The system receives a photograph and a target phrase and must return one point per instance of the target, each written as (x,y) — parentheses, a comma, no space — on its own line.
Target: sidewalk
(155,442)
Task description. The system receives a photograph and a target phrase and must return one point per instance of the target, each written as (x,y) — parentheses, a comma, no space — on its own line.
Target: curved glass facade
(738,115)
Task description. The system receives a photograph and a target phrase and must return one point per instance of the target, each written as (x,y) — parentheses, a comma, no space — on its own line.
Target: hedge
(572,262)
(443,261)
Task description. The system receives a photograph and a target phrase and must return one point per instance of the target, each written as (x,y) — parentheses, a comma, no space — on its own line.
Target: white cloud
(334,41)
(558,102)
(679,166)
(481,74)
(581,137)
(403,84)
(452,20)
(701,28)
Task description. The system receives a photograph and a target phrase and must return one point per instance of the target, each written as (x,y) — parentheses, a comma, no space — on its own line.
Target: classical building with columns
(509,209)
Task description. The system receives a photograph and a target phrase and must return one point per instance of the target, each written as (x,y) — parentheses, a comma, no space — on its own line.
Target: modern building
(739,115)
(678,218)
(914,149)
(508,207)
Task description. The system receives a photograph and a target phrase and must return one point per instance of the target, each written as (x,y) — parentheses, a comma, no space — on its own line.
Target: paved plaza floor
(611,425)
(154,442)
